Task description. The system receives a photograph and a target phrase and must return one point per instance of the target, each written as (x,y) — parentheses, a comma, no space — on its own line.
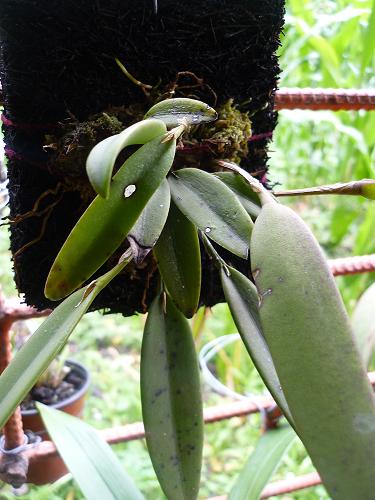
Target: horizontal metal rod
(316,99)
(325,99)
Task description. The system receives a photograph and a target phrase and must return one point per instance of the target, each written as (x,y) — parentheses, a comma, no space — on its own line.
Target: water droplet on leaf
(129,190)
(207,230)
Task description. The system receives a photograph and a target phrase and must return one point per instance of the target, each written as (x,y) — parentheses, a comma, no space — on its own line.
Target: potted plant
(63,385)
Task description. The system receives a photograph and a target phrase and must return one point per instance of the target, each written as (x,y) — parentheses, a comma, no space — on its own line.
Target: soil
(214,50)
(50,395)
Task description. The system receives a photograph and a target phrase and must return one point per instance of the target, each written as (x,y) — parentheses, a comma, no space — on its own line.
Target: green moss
(230,133)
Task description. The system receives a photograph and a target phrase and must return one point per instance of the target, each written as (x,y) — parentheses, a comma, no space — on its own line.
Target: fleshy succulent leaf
(179,260)
(102,157)
(106,223)
(171,400)
(213,208)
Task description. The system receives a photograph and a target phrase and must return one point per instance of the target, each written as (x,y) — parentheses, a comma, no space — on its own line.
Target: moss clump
(230,133)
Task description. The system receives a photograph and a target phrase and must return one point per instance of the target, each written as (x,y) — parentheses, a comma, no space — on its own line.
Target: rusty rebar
(352,265)
(325,99)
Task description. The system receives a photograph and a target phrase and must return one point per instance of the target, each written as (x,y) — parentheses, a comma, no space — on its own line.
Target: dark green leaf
(213,208)
(178,254)
(146,231)
(102,158)
(106,223)
(94,466)
(242,298)
(171,401)
(262,463)
(249,199)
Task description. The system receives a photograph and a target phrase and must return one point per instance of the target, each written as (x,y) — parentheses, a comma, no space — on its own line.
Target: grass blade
(89,458)
(262,463)
(171,401)
(46,342)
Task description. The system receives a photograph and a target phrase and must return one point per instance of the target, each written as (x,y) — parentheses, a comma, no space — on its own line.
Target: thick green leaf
(178,254)
(363,322)
(94,466)
(242,298)
(146,231)
(213,208)
(174,112)
(102,158)
(311,342)
(46,342)
(249,199)
(262,463)
(171,400)
(106,223)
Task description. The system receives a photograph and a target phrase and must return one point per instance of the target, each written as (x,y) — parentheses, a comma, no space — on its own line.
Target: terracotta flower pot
(47,470)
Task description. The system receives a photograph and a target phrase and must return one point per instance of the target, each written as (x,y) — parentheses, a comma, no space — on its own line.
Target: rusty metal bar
(352,265)
(328,99)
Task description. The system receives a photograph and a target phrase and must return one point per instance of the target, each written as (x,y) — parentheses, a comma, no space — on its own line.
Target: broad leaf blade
(89,458)
(102,158)
(171,401)
(106,223)
(46,342)
(363,322)
(249,199)
(179,260)
(262,463)
(213,208)
(242,298)
(146,231)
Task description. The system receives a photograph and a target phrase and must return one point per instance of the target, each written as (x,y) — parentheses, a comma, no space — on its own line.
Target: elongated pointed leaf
(94,466)
(102,158)
(46,342)
(106,223)
(262,463)
(249,199)
(146,231)
(312,345)
(363,322)
(242,298)
(171,401)
(175,111)
(213,208)
(179,260)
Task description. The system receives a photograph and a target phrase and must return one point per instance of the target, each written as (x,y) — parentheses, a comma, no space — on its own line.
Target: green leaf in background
(242,190)
(171,400)
(92,463)
(102,157)
(46,342)
(311,342)
(262,463)
(363,322)
(213,208)
(106,223)
(146,231)
(242,298)
(179,260)
(368,46)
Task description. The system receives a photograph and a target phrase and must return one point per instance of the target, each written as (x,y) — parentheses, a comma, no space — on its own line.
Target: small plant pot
(43,470)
